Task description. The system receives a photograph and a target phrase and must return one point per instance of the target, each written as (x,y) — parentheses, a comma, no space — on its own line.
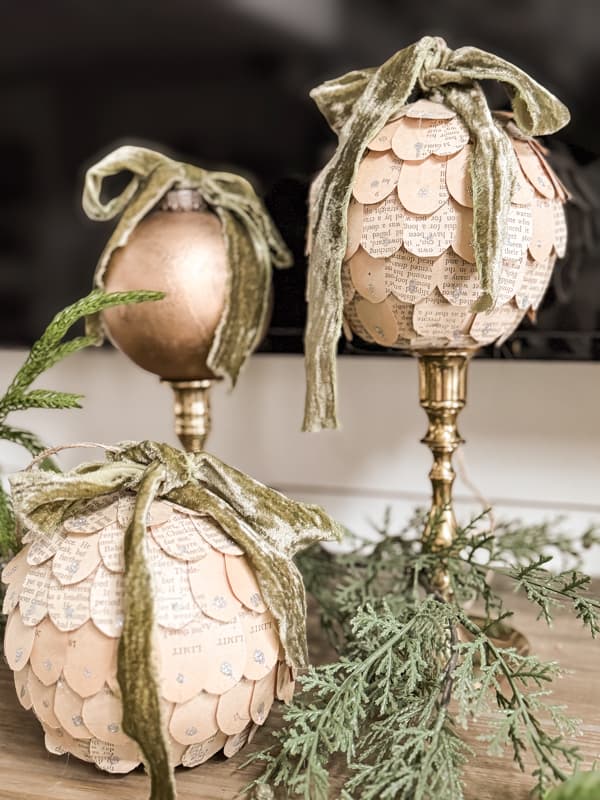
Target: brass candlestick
(192,413)
(442,393)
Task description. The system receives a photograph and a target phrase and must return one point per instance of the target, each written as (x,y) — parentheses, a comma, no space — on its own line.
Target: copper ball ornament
(220,663)
(178,249)
(409,278)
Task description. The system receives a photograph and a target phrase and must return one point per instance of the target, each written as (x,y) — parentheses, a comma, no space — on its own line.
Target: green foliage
(413,670)
(45,353)
(581,786)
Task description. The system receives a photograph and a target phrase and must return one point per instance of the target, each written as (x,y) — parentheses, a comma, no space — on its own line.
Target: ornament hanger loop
(51,451)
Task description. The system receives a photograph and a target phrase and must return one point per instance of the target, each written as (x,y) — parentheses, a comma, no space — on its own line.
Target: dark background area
(225,85)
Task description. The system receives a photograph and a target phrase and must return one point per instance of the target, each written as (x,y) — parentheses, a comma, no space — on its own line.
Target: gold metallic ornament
(180,252)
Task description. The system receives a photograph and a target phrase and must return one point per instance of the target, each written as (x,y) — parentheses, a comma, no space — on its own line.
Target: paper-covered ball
(220,659)
(409,277)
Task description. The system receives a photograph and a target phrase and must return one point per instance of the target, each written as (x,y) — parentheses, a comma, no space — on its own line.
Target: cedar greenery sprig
(45,353)
(414,670)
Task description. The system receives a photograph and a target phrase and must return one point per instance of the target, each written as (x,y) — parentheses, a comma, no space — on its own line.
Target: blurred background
(224,84)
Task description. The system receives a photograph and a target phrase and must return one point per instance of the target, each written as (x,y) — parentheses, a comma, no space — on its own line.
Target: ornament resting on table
(207,241)
(154,610)
(434,229)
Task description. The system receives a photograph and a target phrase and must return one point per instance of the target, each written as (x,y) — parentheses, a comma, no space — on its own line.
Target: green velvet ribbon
(357,105)
(252,241)
(269,527)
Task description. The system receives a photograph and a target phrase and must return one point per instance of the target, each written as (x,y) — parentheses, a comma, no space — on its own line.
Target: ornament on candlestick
(206,240)
(434,229)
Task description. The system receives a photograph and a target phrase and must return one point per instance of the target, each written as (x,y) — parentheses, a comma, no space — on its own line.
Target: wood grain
(28,772)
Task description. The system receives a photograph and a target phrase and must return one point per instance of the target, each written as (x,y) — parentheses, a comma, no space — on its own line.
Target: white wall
(533,432)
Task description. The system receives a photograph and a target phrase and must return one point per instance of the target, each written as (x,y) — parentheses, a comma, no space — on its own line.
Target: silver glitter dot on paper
(191,731)
(180,678)
(87,672)
(113,727)
(219,601)
(259,656)
(77,720)
(255,599)
(227,669)
(47,664)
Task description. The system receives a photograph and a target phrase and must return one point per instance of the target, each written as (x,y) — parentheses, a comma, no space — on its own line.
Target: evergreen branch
(385,704)
(45,353)
(519,723)
(546,590)
(47,350)
(379,702)
(42,398)
(30,441)
(69,347)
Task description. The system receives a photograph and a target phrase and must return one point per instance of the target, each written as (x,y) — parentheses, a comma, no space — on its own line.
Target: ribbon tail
(271,529)
(136,675)
(386,90)
(492,170)
(247,297)
(234,193)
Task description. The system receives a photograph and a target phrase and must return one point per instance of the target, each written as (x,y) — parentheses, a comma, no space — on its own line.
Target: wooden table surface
(28,772)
